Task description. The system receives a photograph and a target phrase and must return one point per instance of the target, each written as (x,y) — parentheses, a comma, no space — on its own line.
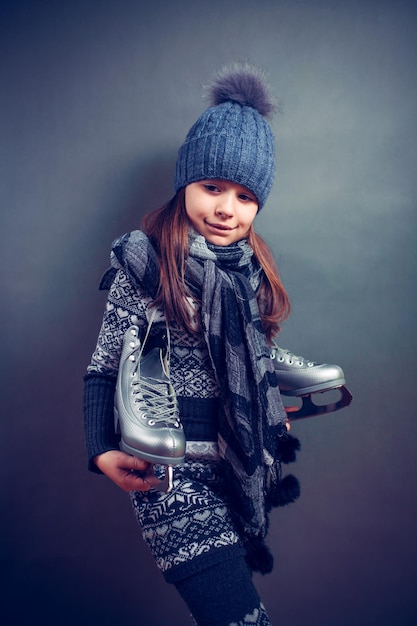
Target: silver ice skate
(300,378)
(145,408)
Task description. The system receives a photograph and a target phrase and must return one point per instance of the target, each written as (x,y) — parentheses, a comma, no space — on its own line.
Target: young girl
(198,268)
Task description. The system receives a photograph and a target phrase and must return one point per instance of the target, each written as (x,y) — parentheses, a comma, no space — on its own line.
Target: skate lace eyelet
(151,422)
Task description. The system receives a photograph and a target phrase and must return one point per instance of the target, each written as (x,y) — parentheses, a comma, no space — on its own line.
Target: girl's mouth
(219,226)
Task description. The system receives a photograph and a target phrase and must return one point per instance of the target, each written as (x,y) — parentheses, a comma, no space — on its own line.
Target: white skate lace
(158,397)
(281,355)
(158,400)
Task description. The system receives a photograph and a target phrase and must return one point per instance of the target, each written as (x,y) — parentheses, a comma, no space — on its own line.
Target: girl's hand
(123,470)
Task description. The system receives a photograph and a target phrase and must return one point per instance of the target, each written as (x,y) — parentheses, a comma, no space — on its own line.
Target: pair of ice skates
(146,410)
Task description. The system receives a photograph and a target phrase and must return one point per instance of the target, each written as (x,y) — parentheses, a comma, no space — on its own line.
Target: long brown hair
(167,228)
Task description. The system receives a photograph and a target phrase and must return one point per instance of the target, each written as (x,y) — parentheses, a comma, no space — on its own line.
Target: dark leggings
(223,595)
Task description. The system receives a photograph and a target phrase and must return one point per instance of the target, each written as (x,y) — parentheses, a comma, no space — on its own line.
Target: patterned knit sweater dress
(190,528)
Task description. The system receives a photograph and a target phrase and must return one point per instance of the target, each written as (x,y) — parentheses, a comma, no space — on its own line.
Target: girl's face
(219,210)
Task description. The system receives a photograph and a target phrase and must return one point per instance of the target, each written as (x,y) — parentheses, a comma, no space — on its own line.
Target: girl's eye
(211,187)
(246,198)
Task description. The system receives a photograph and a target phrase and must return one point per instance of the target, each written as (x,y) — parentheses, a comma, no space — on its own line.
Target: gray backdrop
(96,98)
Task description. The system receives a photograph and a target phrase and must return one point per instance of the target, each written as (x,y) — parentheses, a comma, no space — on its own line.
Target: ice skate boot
(301,378)
(145,408)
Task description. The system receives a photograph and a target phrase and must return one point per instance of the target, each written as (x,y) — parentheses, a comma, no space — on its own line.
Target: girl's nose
(225,204)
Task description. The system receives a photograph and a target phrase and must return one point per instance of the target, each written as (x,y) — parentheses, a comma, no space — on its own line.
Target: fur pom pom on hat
(244,84)
(232,139)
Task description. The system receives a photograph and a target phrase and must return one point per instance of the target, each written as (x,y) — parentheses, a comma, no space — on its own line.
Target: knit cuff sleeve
(98,417)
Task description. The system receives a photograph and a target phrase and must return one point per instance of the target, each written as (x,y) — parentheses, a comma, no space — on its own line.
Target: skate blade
(160,484)
(311,409)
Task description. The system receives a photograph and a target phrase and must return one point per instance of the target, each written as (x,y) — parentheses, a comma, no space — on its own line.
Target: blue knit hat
(232,140)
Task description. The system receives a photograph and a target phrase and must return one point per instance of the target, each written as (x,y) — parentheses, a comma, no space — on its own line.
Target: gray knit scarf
(253,438)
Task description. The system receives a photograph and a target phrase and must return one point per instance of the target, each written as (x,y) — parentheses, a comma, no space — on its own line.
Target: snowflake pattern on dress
(195,508)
